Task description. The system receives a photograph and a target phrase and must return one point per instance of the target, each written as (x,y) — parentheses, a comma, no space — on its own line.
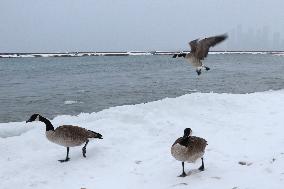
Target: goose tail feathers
(93,134)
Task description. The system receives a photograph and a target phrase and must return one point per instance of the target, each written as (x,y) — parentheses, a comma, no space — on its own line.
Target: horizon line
(134,51)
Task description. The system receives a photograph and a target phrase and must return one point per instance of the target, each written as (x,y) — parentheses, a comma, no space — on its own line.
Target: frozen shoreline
(124,53)
(135,151)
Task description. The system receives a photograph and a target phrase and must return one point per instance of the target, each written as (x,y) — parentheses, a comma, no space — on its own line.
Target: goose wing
(196,143)
(193,45)
(201,48)
(73,132)
(179,140)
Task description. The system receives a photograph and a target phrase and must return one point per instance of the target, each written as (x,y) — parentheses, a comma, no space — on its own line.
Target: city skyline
(261,38)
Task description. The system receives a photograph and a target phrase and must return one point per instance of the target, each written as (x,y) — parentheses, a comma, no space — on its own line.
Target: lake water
(56,86)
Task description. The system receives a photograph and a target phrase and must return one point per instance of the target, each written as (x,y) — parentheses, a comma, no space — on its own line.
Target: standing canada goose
(66,135)
(199,50)
(188,149)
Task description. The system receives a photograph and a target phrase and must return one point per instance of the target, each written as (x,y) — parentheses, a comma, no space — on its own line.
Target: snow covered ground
(135,151)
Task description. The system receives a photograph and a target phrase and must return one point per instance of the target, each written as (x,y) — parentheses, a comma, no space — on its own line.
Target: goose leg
(67,157)
(84,148)
(198,71)
(201,168)
(206,68)
(183,173)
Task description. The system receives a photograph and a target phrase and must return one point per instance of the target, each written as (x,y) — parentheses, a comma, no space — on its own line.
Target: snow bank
(278,54)
(244,133)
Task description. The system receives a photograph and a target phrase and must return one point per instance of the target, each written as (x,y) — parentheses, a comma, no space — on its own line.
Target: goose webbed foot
(206,68)
(67,156)
(198,72)
(183,175)
(201,168)
(64,160)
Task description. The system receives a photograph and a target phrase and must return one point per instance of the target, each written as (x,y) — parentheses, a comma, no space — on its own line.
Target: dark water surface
(56,86)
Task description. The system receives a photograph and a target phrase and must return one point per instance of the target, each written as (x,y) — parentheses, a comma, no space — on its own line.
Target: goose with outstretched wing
(199,50)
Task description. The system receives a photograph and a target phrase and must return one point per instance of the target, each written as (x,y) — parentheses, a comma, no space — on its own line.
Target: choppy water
(56,86)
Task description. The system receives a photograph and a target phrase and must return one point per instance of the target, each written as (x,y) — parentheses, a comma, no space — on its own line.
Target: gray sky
(120,25)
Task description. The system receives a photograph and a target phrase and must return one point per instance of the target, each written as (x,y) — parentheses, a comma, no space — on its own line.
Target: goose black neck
(49,126)
(184,141)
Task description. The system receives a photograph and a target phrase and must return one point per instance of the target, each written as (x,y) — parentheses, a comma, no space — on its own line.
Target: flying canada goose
(188,149)
(66,135)
(199,50)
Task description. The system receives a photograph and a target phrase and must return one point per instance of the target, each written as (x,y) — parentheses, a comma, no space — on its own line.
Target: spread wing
(193,45)
(202,46)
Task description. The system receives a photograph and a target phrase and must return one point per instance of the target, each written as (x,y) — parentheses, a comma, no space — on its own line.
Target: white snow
(239,52)
(278,54)
(137,53)
(244,134)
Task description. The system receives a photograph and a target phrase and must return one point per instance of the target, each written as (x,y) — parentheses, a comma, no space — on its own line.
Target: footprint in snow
(180,184)
(218,178)
(268,170)
(273,160)
(138,162)
(194,171)
(245,163)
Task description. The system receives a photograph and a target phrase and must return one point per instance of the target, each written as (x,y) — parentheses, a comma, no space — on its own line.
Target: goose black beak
(99,136)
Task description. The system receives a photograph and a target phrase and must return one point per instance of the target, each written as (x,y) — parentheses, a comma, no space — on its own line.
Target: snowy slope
(135,151)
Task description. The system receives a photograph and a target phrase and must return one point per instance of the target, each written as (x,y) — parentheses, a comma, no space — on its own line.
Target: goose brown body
(66,135)
(190,150)
(69,135)
(196,62)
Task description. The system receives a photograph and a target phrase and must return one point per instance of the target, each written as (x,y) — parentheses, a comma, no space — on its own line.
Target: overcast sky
(120,25)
